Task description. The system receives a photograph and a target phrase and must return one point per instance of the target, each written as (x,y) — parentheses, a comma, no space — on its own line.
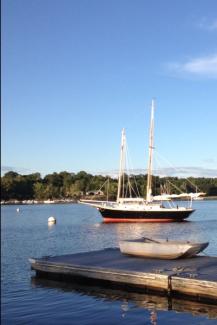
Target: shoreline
(69,201)
(34,202)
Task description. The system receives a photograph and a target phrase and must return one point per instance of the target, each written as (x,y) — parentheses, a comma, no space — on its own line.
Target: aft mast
(150,154)
(122,164)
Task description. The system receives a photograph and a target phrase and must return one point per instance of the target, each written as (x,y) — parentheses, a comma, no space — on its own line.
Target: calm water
(79,228)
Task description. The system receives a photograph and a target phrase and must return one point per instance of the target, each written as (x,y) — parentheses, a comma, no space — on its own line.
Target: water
(79,228)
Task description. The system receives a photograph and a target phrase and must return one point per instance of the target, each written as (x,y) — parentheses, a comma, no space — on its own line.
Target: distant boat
(182,196)
(197,195)
(162,249)
(138,209)
(198,198)
(49,201)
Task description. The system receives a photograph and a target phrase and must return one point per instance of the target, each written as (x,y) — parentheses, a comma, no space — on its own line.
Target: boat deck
(195,277)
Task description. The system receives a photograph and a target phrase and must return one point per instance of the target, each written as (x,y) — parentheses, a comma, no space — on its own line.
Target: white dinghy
(162,249)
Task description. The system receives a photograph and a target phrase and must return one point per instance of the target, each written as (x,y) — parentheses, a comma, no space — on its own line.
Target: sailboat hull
(144,216)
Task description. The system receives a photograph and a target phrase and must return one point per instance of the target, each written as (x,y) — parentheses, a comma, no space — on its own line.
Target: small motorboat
(162,249)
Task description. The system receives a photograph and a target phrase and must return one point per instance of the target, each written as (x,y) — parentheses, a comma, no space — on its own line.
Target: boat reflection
(172,231)
(150,302)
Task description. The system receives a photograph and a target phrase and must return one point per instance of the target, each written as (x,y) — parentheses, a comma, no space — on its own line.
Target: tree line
(65,185)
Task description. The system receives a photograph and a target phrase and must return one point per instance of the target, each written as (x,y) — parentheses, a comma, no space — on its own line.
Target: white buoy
(51,220)
(18,210)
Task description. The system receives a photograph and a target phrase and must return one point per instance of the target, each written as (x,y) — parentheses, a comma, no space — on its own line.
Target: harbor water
(29,300)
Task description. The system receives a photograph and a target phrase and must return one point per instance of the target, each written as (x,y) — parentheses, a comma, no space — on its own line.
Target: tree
(66,185)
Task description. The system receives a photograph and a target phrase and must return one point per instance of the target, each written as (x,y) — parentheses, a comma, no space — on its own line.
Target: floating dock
(193,277)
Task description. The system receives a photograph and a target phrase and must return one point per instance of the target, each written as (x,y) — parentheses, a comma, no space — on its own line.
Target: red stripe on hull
(113,220)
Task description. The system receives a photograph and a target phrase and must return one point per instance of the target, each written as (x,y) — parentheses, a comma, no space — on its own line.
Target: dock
(194,277)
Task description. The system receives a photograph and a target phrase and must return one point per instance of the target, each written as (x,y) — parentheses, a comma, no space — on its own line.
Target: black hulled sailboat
(138,209)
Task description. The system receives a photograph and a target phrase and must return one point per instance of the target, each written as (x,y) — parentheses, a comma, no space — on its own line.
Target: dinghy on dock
(162,249)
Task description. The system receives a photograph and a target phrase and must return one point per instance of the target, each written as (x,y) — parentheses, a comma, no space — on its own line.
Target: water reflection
(132,300)
(184,231)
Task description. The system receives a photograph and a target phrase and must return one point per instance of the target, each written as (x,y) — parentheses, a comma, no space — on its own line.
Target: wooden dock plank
(140,279)
(195,276)
(201,288)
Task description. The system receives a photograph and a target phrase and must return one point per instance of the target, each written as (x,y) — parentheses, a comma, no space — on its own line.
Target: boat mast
(150,154)
(122,162)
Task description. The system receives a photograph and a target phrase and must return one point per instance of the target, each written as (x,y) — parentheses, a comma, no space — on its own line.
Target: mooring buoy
(51,220)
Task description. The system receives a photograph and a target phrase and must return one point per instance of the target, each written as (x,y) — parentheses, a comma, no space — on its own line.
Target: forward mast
(150,154)
(122,166)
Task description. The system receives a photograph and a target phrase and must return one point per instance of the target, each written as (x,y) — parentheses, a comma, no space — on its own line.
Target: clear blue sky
(75,72)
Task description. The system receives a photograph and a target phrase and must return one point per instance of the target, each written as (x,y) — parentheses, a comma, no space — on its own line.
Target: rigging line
(156,163)
(136,194)
(171,204)
(178,170)
(126,169)
(92,178)
(175,186)
(129,185)
(133,176)
(103,184)
(131,189)
(157,160)
(107,194)
(101,187)
(137,189)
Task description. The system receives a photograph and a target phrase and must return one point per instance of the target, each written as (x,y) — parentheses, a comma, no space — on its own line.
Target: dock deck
(194,277)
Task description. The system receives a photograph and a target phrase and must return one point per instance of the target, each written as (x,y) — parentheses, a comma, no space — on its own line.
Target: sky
(75,72)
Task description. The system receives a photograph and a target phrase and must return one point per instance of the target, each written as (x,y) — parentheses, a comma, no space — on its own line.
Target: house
(98,192)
